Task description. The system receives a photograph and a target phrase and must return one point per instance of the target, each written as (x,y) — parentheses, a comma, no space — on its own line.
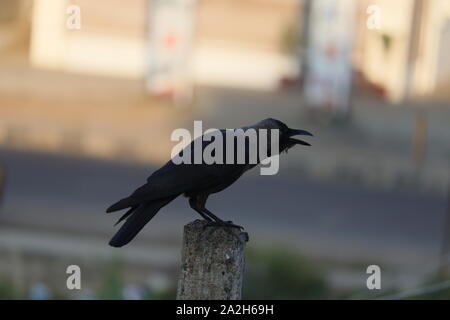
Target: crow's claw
(227,225)
(232,225)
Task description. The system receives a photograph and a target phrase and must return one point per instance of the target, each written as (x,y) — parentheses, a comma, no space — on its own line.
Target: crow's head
(286,134)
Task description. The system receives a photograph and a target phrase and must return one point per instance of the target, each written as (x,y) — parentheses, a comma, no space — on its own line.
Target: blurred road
(54,194)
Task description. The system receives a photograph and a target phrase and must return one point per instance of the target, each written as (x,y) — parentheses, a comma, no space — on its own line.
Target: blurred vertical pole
(445,246)
(419,140)
(415,40)
(305,15)
(2,183)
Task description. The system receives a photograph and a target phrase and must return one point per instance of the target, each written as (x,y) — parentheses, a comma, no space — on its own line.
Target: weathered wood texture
(212,262)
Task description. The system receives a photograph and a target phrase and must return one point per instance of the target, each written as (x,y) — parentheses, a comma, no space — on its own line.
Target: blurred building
(236,43)
(14,25)
(249,44)
(408,54)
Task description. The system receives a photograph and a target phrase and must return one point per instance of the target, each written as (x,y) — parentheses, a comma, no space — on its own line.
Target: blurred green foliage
(169,293)
(278,273)
(435,292)
(387,42)
(289,39)
(7,290)
(112,282)
(113,285)
(271,273)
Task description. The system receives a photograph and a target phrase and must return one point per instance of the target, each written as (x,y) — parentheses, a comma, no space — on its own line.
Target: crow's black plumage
(195,181)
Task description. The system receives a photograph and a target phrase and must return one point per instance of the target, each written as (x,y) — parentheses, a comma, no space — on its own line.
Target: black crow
(198,181)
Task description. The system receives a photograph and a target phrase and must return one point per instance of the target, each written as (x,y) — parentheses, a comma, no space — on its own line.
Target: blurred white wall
(384,55)
(237,43)
(54,46)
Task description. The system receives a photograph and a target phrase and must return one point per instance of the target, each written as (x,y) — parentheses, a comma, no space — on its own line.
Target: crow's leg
(217,221)
(195,206)
(220,222)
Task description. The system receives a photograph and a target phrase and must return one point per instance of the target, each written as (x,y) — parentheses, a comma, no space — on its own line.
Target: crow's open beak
(298,141)
(296,132)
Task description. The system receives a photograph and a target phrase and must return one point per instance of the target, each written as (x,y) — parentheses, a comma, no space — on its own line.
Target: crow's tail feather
(137,219)
(120,205)
(126,214)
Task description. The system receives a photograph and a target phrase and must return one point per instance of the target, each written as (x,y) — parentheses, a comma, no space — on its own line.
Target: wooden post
(212,262)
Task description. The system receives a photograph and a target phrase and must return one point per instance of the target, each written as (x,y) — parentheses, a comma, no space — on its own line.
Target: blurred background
(90,92)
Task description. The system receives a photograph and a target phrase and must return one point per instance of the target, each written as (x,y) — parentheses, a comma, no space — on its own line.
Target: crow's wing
(173,179)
